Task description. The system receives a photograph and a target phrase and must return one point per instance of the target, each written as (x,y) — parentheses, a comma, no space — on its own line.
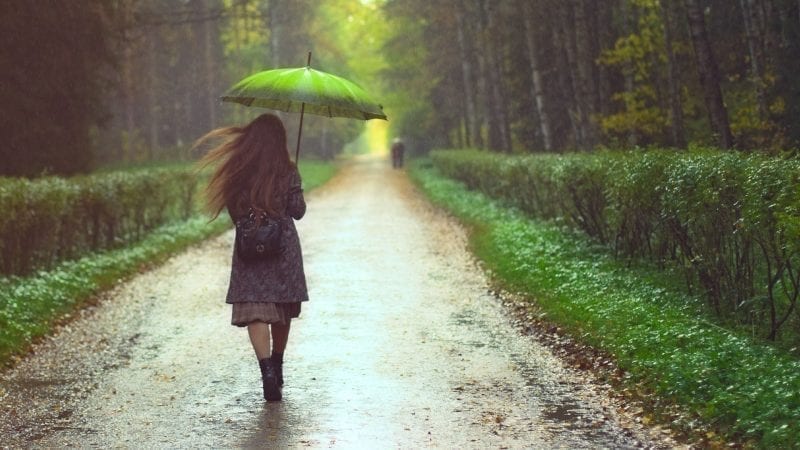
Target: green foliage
(640,56)
(315,173)
(568,188)
(656,332)
(727,220)
(409,71)
(754,130)
(423,86)
(641,116)
(51,219)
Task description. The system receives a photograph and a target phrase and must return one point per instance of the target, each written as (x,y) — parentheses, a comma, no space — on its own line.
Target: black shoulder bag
(258,236)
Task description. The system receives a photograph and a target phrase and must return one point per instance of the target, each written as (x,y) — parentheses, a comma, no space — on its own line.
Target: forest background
(115,82)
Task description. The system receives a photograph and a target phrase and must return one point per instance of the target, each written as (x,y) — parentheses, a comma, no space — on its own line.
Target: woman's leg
(259,337)
(280,335)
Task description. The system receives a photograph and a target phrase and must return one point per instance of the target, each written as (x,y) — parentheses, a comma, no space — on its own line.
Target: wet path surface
(399,347)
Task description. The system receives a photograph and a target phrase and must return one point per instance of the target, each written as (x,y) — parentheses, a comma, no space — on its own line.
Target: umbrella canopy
(305,89)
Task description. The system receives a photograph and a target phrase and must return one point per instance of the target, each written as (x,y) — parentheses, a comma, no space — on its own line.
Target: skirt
(247,312)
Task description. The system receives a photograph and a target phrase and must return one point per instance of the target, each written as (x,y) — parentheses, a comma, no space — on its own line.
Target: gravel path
(400,346)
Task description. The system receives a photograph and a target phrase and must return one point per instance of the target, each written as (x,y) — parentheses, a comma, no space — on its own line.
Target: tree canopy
(545,75)
(90,82)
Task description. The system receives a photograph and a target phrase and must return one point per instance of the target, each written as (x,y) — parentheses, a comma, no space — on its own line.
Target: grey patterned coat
(278,280)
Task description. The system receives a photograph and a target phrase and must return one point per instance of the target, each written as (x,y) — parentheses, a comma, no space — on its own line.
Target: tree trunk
(498,121)
(708,73)
(482,98)
(127,90)
(470,122)
(126,71)
(210,67)
(562,108)
(754,40)
(764,12)
(587,93)
(575,107)
(474,22)
(245,20)
(678,133)
(627,19)
(275,25)
(487,90)
(152,85)
(605,40)
(536,76)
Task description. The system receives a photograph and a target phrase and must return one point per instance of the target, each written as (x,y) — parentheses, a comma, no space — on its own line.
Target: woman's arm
(296,203)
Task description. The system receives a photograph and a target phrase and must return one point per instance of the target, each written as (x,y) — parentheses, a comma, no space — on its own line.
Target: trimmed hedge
(49,220)
(729,221)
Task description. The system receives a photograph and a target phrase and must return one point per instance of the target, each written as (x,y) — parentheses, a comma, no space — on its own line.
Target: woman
(253,170)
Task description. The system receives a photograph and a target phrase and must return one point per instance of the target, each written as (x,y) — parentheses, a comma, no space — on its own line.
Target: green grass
(315,172)
(743,389)
(30,306)
(148,165)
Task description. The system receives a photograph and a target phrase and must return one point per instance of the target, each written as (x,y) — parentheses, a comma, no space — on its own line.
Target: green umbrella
(305,90)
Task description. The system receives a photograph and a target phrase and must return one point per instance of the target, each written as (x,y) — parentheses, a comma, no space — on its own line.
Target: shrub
(729,221)
(53,219)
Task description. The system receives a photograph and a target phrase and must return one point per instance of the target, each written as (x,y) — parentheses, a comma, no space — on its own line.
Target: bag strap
(261,216)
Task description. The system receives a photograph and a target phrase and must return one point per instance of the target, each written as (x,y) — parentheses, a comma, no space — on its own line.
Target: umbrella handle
(299,133)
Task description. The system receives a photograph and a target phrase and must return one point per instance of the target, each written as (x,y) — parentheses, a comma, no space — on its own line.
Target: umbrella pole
(299,133)
(300,129)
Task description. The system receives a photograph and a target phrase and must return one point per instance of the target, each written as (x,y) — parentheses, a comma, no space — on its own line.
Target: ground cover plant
(30,304)
(655,330)
(730,222)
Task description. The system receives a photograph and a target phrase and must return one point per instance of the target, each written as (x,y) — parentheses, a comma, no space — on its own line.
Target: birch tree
(537,82)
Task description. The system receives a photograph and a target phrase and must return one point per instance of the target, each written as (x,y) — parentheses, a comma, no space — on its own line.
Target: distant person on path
(397,150)
(253,170)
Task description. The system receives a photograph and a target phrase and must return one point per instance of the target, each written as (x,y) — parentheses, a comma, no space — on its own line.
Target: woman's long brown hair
(250,159)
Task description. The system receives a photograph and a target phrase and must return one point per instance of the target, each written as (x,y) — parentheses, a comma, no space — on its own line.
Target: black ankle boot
(269,378)
(278,365)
